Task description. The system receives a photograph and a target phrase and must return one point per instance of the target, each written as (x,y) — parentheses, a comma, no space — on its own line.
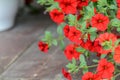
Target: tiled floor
(20,58)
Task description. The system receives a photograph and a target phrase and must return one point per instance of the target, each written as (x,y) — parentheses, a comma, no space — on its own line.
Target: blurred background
(22,25)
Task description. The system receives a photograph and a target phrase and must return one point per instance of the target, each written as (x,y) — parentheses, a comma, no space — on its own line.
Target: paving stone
(16,40)
(35,65)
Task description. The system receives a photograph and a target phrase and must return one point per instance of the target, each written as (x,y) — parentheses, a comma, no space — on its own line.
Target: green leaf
(83,64)
(93,36)
(80,49)
(48,35)
(117,42)
(83,61)
(83,26)
(41,2)
(49,39)
(118,29)
(62,44)
(85,70)
(72,20)
(92,30)
(60,28)
(45,2)
(103,56)
(89,11)
(113,78)
(102,2)
(87,53)
(95,61)
(113,7)
(74,61)
(44,39)
(107,45)
(72,66)
(54,41)
(115,22)
(54,5)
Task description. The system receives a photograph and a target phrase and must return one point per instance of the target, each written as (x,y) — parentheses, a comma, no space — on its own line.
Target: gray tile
(36,65)
(16,40)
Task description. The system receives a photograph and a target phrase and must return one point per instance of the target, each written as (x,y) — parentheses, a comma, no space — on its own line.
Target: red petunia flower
(94,0)
(100,22)
(88,45)
(68,6)
(82,3)
(43,46)
(66,30)
(117,54)
(90,76)
(107,41)
(66,74)
(70,52)
(105,69)
(118,14)
(118,3)
(95,47)
(79,17)
(57,16)
(74,34)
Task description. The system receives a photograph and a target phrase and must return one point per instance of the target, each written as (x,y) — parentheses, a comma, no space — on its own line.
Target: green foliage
(45,2)
(61,37)
(54,42)
(62,44)
(117,42)
(83,64)
(103,56)
(95,60)
(42,2)
(60,28)
(115,22)
(87,54)
(89,11)
(113,78)
(91,30)
(107,45)
(49,39)
(93,36)
(113,7)
(82,26)
(80,49)
(51,4)
(102,2)
(72,66)
(72,20)
(102,6)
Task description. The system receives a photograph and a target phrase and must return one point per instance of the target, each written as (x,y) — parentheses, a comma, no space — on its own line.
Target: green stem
(92,66)
(116,75)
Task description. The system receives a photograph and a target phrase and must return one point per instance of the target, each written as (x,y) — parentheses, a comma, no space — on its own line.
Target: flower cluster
(92,27)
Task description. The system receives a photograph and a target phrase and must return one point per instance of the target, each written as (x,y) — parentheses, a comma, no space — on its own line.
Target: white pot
(8,10)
